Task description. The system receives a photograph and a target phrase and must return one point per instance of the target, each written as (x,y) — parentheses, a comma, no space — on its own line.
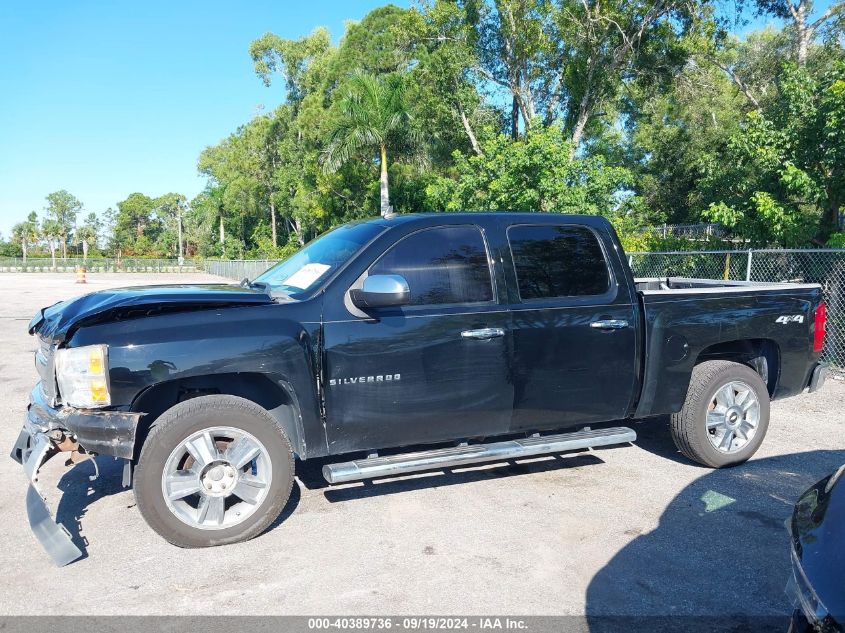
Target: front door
(574,327)
(433,370)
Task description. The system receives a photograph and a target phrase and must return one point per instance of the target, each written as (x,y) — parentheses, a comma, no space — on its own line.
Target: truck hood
(56,322)
(818,536)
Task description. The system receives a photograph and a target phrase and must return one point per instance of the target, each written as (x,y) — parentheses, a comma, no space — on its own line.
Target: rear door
(434,370)
(574,328)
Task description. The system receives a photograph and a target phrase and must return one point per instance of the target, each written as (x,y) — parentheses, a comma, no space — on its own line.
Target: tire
(701,428)
(198,444)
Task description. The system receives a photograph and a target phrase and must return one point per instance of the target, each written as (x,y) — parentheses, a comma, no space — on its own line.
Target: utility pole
(179,232)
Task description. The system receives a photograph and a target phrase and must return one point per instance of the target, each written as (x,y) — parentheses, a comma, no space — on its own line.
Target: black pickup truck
(469,337)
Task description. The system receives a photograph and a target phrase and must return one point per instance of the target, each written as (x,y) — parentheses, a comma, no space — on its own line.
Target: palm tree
(374,116)
(51,230)
(27,233)
(88,234)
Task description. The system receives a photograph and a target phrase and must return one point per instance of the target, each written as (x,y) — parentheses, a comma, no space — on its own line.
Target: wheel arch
(761,354)
(666,385)
(271,392)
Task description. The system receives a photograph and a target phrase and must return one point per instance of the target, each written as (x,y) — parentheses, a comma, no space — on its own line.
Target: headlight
(82,374)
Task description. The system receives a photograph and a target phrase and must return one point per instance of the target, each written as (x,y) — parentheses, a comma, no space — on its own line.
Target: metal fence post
(748,266)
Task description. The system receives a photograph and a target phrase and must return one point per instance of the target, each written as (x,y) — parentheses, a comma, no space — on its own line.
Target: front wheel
(213,470)
(725,416)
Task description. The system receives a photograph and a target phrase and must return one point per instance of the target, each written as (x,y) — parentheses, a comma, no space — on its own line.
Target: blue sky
(106,98)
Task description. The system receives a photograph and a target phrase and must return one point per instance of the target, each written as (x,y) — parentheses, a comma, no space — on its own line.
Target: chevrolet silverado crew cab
(397,345)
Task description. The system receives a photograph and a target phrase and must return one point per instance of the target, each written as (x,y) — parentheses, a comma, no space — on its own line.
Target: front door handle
(609,324)
(483,333)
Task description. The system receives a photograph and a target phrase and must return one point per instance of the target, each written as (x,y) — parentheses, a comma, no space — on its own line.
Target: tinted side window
(442,265)
(557,261)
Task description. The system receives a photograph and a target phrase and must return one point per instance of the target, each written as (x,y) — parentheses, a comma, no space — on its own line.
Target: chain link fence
(237,269)
(97,265)
(231,269)
(820,266)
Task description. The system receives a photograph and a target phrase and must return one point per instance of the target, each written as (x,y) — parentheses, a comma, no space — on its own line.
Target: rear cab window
(557,261)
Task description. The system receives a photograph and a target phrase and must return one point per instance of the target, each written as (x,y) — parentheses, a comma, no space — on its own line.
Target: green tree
(305,198)
(805,25)
(110,237)
(374,117)
(63,207)
(512,46)
(27,233)
(673,134)
(134,217)
(376,45)
(442,86)
(781,179)
(605,46)
(89,233)
(170,210)
(235,196)
(294,59)
(535,173)
(51,230)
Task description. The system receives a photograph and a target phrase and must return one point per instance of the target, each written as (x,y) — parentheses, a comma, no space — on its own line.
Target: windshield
(300,273)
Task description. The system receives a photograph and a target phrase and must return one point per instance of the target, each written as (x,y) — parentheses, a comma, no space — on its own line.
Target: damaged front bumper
(32,451)
(48,431)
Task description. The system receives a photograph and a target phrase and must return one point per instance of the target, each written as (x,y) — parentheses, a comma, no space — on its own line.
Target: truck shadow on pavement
(719,559)
(79,493)
(310,474)
(653,435)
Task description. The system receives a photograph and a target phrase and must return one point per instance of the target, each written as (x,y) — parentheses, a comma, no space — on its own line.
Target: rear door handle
(483,333)
(609,324)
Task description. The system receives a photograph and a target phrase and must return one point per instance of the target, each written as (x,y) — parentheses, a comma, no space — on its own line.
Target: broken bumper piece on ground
(32,451)
(48,431)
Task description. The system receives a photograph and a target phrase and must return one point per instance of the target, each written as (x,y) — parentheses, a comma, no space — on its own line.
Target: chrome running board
(451,457)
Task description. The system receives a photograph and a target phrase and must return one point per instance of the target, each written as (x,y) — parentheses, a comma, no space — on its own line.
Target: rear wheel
(213,470)
(725,416)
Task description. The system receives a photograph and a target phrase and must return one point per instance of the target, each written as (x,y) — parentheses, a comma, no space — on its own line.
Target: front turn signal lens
(99,393)
(95,362)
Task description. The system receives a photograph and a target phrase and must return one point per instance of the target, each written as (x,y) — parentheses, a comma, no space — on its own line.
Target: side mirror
(381,291)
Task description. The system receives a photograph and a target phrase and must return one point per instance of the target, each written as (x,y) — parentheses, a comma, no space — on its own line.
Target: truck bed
(687,319)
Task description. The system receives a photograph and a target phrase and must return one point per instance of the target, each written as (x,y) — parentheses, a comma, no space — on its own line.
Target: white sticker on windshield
(306,275)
